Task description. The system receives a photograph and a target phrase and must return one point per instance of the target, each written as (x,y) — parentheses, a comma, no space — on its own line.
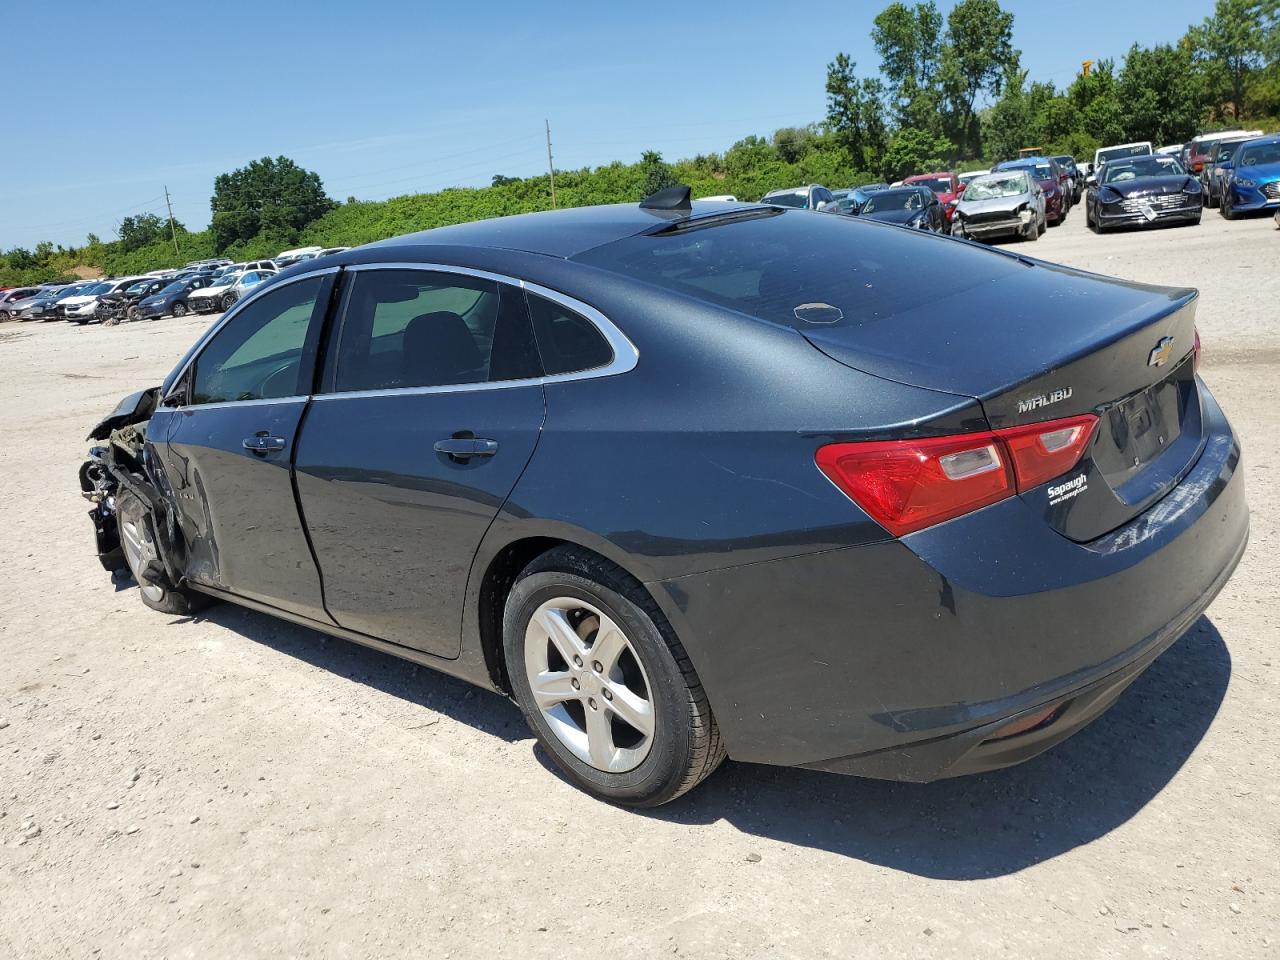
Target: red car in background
(946,186)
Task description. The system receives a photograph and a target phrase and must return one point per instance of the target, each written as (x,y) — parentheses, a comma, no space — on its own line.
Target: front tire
(228,301)
(604,683)
(179,310)
(141,557)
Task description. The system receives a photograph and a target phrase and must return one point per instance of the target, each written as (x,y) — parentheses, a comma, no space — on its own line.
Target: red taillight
(1042,451)
(907,485)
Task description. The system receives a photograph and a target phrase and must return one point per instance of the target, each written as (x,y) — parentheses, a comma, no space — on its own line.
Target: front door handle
(264,443)
(464,448)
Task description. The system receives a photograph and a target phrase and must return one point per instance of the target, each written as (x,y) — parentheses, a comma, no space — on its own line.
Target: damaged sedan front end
(134,524)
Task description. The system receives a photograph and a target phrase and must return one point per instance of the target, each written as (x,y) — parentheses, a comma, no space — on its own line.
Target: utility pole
(173,231)
(551,168)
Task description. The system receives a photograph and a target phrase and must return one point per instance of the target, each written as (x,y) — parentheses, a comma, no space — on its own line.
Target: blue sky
(110,102)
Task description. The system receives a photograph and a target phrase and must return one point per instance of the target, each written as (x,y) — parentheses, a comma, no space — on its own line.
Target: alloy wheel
(138,552)
(589,685)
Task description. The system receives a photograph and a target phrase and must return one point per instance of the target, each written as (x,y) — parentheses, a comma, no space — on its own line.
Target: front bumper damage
(118,469)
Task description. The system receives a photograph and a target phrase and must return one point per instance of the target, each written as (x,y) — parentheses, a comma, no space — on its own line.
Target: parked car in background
(1009,203)
(1052,180)
(946,186)
(56,310)
(813,197)
(11,297)
(225,291)
(1198,152)
(719,198)
(122,303)
(1142,191)
(1172,150)
(327,251)
(1119,151)
(1075,176)
(1253,179)
(84,306)
(957,579)
(861,194)
(970,175)
(34,306)
(916,208)
(172,300)
(1218,165)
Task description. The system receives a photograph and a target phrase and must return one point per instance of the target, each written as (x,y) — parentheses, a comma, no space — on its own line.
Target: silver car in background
(1005,204)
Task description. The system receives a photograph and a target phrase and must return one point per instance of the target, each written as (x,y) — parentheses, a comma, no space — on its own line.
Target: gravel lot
(240,787)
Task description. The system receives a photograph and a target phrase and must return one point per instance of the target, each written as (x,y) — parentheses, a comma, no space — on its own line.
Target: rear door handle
(464,448)
(264,443)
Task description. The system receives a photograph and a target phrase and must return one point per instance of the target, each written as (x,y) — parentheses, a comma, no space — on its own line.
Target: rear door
(431,409)
(227,444)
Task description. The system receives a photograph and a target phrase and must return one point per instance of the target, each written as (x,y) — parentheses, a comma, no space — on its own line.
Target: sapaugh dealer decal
(1065,491)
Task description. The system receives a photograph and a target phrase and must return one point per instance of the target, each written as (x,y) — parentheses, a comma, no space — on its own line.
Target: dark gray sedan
(696,480)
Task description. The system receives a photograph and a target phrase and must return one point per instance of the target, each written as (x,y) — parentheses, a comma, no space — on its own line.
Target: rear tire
(179,310)
(140,555)
(564,607)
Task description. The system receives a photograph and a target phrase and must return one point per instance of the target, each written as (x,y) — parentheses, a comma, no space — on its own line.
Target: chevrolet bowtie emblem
(1160,355)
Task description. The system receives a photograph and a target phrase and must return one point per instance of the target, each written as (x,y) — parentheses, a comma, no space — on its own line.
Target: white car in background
(970,175)
(225,291)
(83,307)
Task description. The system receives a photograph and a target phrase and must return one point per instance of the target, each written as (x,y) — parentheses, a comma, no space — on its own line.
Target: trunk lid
(1043,343)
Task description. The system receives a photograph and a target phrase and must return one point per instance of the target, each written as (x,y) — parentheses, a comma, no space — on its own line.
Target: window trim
(625,354)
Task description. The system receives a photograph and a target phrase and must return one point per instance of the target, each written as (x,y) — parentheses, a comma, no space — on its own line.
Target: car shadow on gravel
(456,699)
(997,823)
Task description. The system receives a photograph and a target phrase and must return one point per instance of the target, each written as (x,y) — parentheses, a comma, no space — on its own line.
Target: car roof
(926,176)
(554,233)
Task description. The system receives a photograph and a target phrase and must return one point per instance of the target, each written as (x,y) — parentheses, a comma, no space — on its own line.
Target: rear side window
(567,341)
(418,328)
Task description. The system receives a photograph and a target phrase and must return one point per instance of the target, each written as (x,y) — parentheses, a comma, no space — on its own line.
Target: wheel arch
(495,570)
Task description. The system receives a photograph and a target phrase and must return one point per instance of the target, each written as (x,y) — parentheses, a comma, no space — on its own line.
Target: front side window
(258,354)
(420,328)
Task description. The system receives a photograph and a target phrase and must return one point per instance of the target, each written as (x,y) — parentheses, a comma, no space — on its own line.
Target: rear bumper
(902,659)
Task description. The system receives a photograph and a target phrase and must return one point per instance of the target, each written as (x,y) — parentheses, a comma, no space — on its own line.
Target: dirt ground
(240,787)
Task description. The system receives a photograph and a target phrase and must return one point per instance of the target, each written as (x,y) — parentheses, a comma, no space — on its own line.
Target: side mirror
(1091,180)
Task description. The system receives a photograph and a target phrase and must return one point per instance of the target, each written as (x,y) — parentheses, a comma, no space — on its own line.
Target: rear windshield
(936,184)
(1114,153)
(803,271)
(787,200)
(894,200)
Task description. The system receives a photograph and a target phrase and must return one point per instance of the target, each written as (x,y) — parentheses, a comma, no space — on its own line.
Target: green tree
(141,230)
(977,57)
(656,174)
(1097,100)
(912,151)
(1230,45)
(907,40)
(1162,94)
(500,181)
(274,197)
(855,112)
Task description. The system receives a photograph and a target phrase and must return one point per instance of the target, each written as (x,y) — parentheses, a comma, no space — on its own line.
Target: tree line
(948,92)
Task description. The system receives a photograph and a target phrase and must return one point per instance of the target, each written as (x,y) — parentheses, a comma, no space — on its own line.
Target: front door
(432,410)
(226,449)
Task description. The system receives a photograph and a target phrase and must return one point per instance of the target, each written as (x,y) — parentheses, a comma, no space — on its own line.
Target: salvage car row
(204,286)
(1125,185)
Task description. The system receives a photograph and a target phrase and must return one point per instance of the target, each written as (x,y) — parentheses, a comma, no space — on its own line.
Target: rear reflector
(1025,724)
(907,485)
